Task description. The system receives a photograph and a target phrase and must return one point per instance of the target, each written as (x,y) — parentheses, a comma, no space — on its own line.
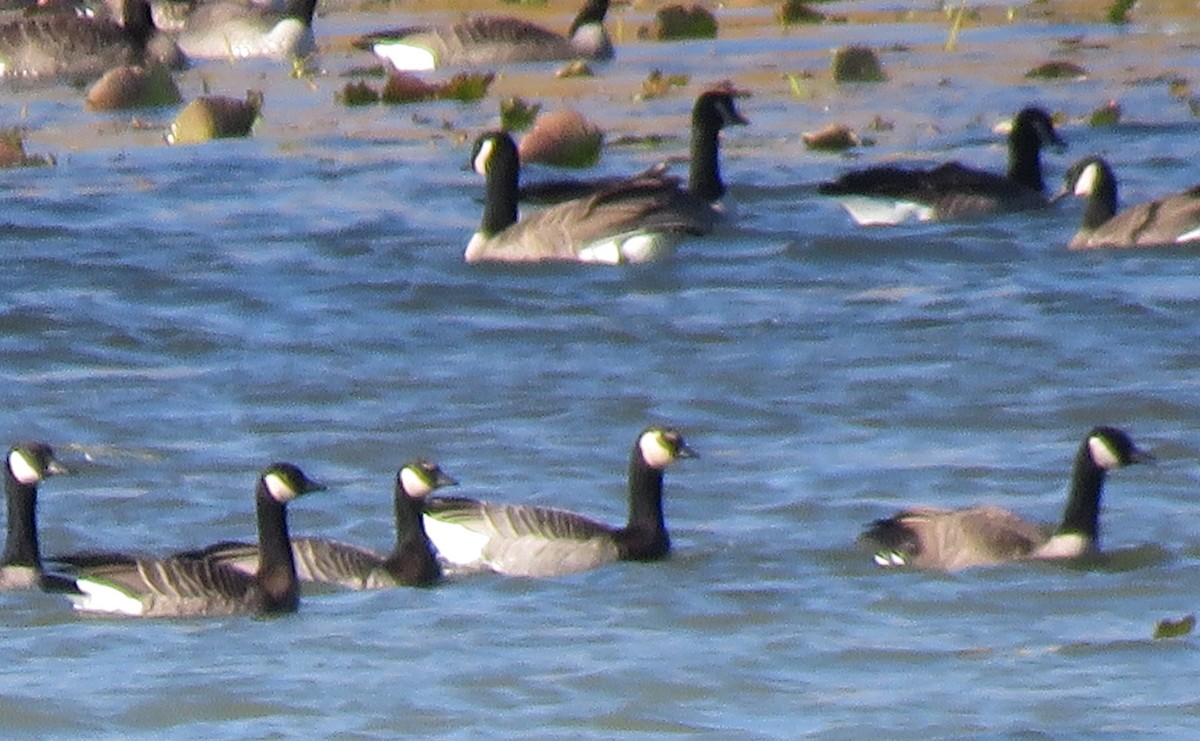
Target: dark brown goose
(521,540)
(636,220)
(491,40)
(891,195)
(1173,219)
(27,465)
(411,563)
(947,540)
(139,586)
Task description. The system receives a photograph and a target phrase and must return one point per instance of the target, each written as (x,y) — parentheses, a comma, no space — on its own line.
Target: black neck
(1082,515)
(412,562)
(301,10)
(503,177)
(21,546)
(1102,203)
(645,536)
(593,12)
(138,21)
(1025,156)
(276,568)
(704,179)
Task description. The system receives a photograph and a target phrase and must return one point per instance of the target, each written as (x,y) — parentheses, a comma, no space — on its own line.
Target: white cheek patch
(655,451)
(485,155)
(23,469)
(1102,453)
(279,489)
(1086,182)
(414,484)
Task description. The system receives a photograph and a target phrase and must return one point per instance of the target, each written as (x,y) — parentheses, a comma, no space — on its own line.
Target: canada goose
(64,45)
(489,39)
(522,540)
(138,586)
(411,563)
(942,539)
(890,195)
(26,466)
(1172,219)
(713,111)
(230,29)
(636,220)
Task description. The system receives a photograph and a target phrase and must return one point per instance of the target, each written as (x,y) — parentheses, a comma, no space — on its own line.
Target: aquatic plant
(215,117)
(676,22)
(1118,12)
(1167,628)
(516,114)
(657,85)
(12,150)
(563,138)
(797,12)
(857,63)
(133,86)
(1057,70)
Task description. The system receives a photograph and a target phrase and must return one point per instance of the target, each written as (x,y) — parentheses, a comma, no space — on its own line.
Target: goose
(140,586)
(66,45)
(490,39)
(636,220)
(1172,219)
(891,195)
(713,111)
(948,540)
(411,563)
(523,540)
(230,29)
(27,465)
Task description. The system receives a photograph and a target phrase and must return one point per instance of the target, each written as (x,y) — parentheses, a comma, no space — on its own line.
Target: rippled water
(175,318)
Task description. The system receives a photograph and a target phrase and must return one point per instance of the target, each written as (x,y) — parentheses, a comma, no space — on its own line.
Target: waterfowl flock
(613,220)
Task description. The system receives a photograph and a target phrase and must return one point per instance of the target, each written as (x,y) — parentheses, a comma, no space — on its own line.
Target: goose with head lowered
(891,195)
(491,40)
(181,586)
(411,563)
(27,466)
(1173,219)
(948,540)
(523,540)
(636,220)
(712,112)
(54,46)
(233,29)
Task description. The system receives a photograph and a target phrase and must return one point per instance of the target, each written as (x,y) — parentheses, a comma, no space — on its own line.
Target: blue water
(176,318)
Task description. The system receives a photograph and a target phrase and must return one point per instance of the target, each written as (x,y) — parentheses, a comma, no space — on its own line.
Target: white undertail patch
(890,559)
(1188,236)
(876,212)
(100,597)
(406,57)
(1065,545)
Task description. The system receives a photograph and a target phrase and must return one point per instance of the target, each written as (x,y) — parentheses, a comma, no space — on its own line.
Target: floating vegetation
(857,63)
(564,138)
(832,138)
(517,115)
(657,85)
(1057,70)
(797,12)
(1108,114)
(1167,628)
(799,84)
(1118,12)
(215,117)
(405,87)
(577,68)
(357,93)
(12,150)
(133,86)
(676,22)
(956,22)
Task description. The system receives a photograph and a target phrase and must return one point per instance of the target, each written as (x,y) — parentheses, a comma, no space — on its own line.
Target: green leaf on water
(1167,628)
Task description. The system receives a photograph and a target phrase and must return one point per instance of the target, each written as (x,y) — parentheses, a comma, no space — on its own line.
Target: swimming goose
(947,540)
(713,111)
(636,220)
(230,29)
(411,563)
(1172,219)
(63,45)
(489,39)
(522,540)
(890,195)
(27,465)
(139,586)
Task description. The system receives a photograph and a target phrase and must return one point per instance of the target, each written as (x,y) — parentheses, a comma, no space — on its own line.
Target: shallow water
(176,318)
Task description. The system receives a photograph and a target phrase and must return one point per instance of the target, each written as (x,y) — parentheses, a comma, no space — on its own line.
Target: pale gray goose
(137,586)
(890,194)
(712,111)
(411,563)
(233,29)
(948,540)
(1173,219)
(69,46)
(491,40)
(523,540)
(27,465)
(636,220)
